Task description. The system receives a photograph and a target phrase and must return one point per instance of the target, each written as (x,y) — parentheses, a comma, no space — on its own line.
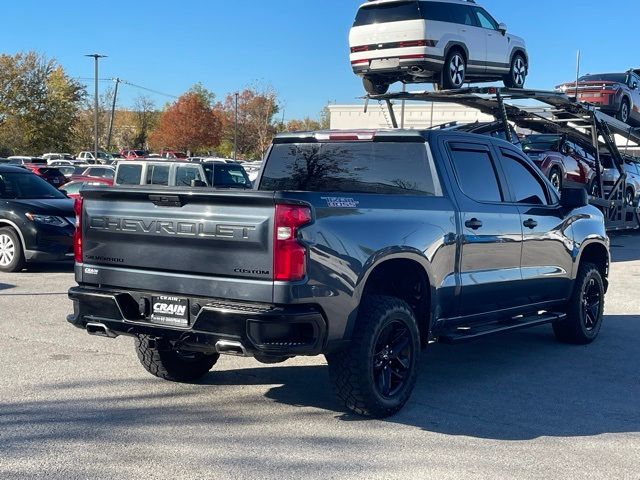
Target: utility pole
(96,57)
(113,111)
(235,132)
(577,73)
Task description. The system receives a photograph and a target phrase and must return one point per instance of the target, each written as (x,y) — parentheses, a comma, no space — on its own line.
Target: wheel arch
(8,223)
(597,253)
(394,274)
(521,51)
(454,44)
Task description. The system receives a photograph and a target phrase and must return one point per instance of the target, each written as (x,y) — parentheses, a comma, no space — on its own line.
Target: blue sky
(298,46)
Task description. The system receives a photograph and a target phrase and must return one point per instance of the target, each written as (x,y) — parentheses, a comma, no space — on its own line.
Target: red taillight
(289,256)
(77,235)
(360,48)
(413,43)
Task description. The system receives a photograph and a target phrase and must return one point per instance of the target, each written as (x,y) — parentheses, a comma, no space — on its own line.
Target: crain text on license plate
(170,310)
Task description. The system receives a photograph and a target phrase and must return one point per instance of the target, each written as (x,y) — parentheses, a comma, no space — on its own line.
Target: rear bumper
(418,65)
(261,329)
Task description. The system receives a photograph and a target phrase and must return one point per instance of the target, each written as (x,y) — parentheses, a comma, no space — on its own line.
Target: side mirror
(634,85)
(502,28)
(66,194)
(566,149)
(198,183)
(574,198)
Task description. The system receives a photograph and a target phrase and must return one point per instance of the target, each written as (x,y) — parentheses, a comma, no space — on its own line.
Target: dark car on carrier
(362,246)
(563,162)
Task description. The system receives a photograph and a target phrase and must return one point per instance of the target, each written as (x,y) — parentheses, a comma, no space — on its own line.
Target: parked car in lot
(133,154)
(23,160)
(89,157)
(60,163)
(36,220)
(563,162)
(617,94)
(173,154)
(100,172)
(51,174)
(49,157)
(160,172)
(362,246)
(448,42)
(72,189)
(222,174)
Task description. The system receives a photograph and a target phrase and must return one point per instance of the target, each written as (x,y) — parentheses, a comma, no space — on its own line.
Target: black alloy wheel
(591,299)
(392,359)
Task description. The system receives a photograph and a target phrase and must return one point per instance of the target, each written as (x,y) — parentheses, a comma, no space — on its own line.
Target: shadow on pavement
(6,286)
(625,246)
(519,386)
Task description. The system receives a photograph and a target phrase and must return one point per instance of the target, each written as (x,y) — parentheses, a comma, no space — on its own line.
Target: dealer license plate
(383,63)
(170,310)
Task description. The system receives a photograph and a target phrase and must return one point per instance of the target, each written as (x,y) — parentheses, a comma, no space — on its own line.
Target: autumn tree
(257,108)
(188,124)
(39,103)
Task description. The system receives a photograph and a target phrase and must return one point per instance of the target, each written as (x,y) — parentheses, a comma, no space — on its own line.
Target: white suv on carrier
(448,42)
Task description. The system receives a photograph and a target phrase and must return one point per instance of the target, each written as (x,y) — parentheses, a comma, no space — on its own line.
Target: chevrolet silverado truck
(363,246)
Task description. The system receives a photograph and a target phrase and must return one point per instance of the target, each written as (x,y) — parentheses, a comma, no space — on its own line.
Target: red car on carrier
(617,94)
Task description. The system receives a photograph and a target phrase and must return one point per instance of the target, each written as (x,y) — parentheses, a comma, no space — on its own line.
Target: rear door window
(476,172)
(129,174)
(461,14)
(366,167)
(158,174)
(186,173)
(526,187)
(387,12)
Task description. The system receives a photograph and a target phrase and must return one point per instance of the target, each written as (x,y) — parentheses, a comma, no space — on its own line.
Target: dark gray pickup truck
(363,246)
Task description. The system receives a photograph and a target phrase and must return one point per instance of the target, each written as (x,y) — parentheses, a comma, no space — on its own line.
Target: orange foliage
(188,124)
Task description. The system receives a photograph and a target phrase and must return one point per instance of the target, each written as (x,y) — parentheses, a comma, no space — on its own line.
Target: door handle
(473,224)
(531,223)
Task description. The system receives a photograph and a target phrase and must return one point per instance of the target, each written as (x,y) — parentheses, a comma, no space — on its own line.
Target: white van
(161,172)
(448,42)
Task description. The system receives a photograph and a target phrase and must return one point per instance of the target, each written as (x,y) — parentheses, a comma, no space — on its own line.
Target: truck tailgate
(194,242)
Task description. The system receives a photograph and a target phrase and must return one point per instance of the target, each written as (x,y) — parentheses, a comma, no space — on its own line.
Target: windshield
(26,186)
(541,143)
(605,77)
(387,12)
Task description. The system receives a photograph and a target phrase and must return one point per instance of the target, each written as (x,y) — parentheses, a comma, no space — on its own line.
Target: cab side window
(526,187)
(476,172)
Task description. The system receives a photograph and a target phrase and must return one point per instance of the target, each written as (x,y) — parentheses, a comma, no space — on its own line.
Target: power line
(111,80)
(148,89)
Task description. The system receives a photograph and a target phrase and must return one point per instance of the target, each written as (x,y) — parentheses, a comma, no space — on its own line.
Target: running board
(464,334)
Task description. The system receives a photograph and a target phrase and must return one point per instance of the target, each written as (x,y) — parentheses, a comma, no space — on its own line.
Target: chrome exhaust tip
(100,330)
(231,347)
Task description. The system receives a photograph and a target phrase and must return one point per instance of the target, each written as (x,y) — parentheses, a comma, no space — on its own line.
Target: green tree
(39,104)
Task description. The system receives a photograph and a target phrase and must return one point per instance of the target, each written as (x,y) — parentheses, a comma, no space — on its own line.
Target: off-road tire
(171,364)
(352,369)
(17,263)
(577,328)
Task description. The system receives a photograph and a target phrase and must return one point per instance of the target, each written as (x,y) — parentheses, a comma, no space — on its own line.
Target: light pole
(96,57)
(235,132)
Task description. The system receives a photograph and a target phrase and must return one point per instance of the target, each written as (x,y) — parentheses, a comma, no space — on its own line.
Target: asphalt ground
(519,405)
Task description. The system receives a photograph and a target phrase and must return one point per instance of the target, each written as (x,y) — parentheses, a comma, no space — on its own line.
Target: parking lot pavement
(515,406)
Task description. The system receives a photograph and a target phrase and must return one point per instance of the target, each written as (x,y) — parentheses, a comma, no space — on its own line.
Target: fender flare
(377,259)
